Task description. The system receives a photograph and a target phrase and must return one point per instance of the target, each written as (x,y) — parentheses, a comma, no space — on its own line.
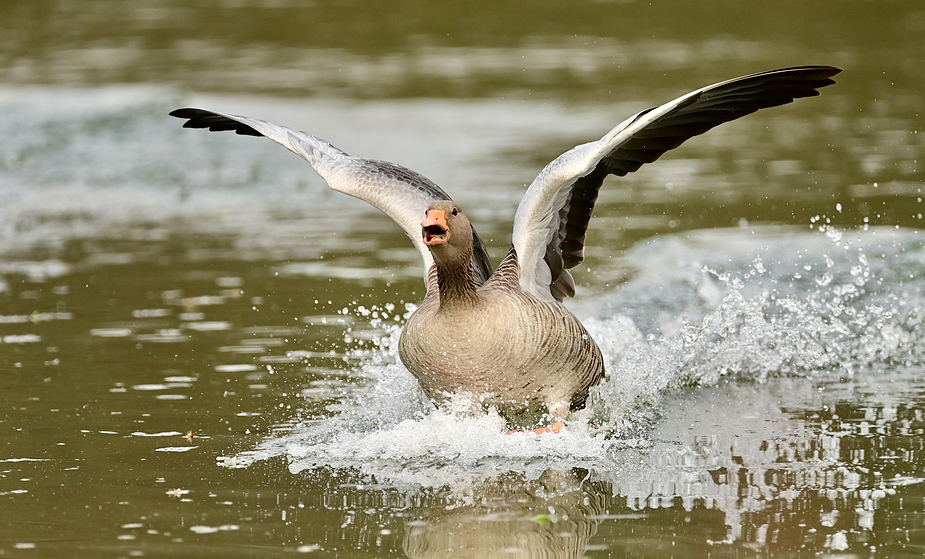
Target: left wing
(398,192)
(552,218)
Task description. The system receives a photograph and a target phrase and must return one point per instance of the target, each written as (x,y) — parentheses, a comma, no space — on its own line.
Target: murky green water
(197,336)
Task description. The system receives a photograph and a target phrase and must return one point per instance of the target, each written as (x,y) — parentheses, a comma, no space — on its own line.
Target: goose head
(447,233)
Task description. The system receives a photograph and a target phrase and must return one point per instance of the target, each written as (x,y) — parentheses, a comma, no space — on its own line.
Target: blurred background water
(197,337)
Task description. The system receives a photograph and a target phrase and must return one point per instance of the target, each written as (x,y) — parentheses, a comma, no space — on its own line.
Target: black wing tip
(818,69)
(187,112)
(817,76)
(817,72)
(201,118)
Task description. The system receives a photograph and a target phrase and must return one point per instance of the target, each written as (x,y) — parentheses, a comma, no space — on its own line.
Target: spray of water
(772,305)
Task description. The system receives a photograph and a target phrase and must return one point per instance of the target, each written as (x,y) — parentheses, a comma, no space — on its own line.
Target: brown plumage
(494,340)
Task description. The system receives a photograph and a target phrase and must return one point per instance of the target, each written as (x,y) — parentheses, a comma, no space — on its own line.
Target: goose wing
(552,218)
(400,193)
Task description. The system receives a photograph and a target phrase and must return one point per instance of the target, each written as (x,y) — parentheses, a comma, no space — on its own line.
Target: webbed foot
(555,427)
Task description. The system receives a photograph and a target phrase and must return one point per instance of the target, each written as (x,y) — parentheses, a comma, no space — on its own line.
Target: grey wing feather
(553,217)
(400,193)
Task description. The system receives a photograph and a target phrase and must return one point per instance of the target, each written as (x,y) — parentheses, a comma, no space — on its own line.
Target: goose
(504,335)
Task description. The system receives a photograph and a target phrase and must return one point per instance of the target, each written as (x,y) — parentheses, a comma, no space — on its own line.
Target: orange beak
(434,228)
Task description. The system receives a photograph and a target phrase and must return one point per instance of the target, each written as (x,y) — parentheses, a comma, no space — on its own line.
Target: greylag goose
(504,335)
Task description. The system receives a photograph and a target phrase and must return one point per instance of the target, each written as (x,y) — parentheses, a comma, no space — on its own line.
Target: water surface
(197,337)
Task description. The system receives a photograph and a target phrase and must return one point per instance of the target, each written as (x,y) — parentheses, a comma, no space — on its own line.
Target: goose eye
(455,211)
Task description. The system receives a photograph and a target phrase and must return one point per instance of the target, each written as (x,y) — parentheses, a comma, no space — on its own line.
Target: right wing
(398,192)
(551,221)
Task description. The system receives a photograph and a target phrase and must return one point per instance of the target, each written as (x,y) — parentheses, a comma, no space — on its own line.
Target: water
(197,337)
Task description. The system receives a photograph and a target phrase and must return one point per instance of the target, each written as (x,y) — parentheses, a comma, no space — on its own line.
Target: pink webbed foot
(555,427)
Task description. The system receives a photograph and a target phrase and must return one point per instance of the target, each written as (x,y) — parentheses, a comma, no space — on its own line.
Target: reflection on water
(786,477)
(553,516)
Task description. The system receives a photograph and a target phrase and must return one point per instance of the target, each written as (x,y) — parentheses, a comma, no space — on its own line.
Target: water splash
(769,305)
(807,306)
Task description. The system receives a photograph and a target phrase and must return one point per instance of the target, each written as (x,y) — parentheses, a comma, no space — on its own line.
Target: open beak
(434,228)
